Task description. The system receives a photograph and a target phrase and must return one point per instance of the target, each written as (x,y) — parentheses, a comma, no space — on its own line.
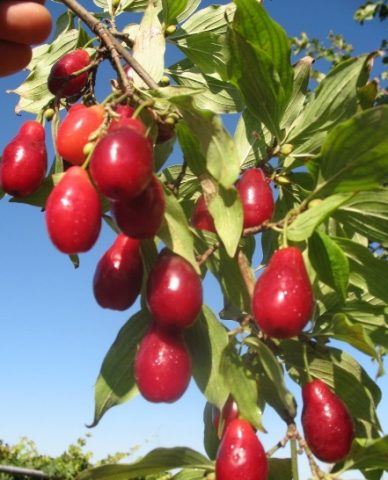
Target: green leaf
(329,261)
(203,38)
(280,469)
(260,63)
(271,380)
(172,9)
(189,185)
(366,271)
(215,143)
(156,461)
(228,274)
(304,225)
(33,92)
(372,318)
(150,38)
(134,5)
(115,383)
(242,385)
(334,101)
(210,438)
(226,209)
(209,19)
(367,213)
(366,454)
(355,153)
(190,474)
(354,334)
(206,341)
(252,140)
(175,231)
(299,90)
(344,375)
(191,7)
(217,96)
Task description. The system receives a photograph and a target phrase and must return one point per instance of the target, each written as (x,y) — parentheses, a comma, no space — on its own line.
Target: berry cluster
(110,157)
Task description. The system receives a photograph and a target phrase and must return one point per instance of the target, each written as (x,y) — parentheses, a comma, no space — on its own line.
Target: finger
(15,56)
(24,22)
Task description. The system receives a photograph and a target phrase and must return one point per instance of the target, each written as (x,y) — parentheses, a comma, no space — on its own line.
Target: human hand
(22,24)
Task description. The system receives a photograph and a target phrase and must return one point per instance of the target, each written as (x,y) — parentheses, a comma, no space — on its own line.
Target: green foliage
(326,150)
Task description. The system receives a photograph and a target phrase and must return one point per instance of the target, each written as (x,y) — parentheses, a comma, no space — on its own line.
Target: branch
(26,472)
(246,272)
(113,45)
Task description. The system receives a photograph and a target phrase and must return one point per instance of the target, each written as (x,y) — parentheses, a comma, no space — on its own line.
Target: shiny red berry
(24,161)
(283,299)
(74,131)
(59,82)
(119,274)
(174,291)
(162,365)
(256,197)
(121,164)
(73,213)
(241,455)
(142,216)
(327,425)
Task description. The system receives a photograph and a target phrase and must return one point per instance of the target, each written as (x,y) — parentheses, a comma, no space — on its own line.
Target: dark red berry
(327,425)
(241,455)
(201,217)
(119,274)
(121,164)
(73,213)
(283,299)
(142,216)
(24,161)
(59,82)
(256,197)
(174,291)
(162,365)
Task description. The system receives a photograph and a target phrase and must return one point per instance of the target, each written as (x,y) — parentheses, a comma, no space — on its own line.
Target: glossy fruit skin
(174,291)
(201,218)
(119,273)
(256,197)
(162,365)
(24,161)
(74,131)
(126,120)
(283,298)
(327,425)
(229,412)
(142,216)
(121,164)
(241,455)
(73,213)
(65,66)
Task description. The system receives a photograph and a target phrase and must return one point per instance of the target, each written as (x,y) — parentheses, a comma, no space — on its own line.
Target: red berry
(256,197)
(73,213)
(229,412)
(58,82)
(241,455)
(201,217)
(74,131)
(174,291)
(24,161)
(283,297)
(162,365)
(119,273)
(121,164)
(327,425)
(142,216)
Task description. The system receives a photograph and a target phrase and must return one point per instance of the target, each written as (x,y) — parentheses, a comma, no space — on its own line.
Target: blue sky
(54,336)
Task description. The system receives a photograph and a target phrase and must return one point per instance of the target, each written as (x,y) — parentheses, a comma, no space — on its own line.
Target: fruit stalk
(111,43)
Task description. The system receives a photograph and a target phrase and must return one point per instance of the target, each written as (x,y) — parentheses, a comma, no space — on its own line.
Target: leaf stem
(294,459)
